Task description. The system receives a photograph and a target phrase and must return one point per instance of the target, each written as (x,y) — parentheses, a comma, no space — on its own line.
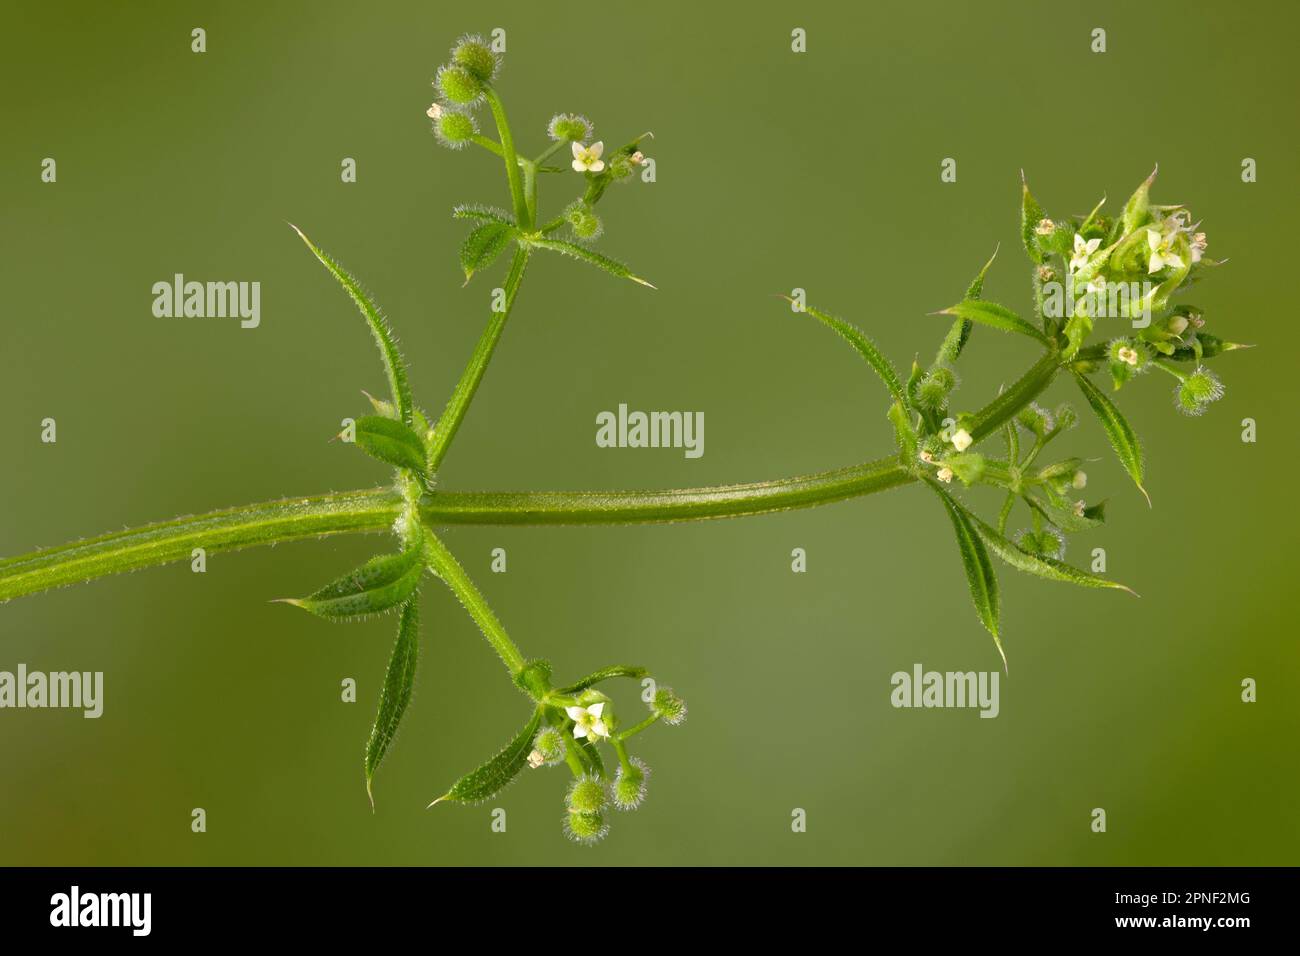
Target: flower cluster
(579,718)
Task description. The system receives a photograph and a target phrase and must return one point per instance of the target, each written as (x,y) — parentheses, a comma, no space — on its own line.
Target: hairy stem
(266,523)
(375,509)
(510,157)
(444,564)
(455,411)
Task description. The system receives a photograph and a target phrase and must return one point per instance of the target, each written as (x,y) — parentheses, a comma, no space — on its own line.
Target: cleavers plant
(1151,248)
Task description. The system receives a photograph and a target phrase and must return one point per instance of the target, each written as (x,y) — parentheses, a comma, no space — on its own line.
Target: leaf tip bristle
(436,802)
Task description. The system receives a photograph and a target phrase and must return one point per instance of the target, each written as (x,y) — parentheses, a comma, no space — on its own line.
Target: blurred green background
(775,170)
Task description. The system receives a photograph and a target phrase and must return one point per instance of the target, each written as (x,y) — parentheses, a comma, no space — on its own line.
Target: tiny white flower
(587,158)
(587,721)
(944,474)
(1127,355)
(1080,480)
(1045,227)
(1162,253)
(1083,250)
(535,759)
(1198,246)
(926,456)
(1045,274)
(961,439)
(637,158)
(433,112)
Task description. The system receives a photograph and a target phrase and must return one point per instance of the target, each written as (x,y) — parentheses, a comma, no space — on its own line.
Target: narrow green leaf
(604,674)
(863,346)
(1122,437)
(955,341)
(1137,211)
(482,214)
(382,583)
(1048,568)
(483,245)
(993,315)
(979,569)
(396,694)
(489,779)
(904,434)
(391,441)
(612,266)
(1030,215)
(394,367)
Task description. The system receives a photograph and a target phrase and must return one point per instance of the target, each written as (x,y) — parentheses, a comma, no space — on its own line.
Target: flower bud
(670,708)
(434,111)
(585,828)
(454,129)
(477,58)
(1066,418)
(583,221)
(1177,324)
(1197,391)
(570,127)
(586,795)
(932,392)
(458,86)
(1036,419)
(630,785)
(549,745)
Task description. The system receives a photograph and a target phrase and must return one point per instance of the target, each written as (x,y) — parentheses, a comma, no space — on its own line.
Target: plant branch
(510,157)
(444,564)
(377,508)
(455,411)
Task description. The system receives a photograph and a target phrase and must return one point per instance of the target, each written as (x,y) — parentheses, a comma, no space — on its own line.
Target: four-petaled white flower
(586,159)
(1128,355)
(944,474)
(1083,250)
(587,721)
(961,439)
(1162,251)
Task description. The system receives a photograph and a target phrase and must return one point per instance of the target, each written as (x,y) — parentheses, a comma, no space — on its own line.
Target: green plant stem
(444,564)
(510,157)
(454,414)
(682,504)
(270,522)
(376,509)
(1023,391)
(637,728)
